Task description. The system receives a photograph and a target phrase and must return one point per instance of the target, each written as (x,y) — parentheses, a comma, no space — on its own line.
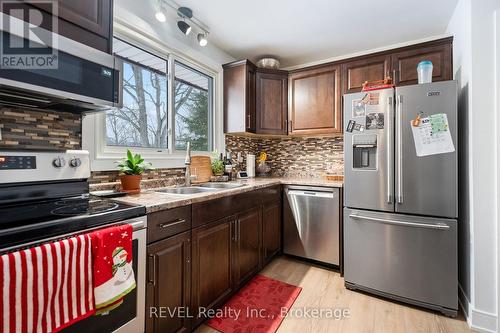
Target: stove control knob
(59,162)
(75,162)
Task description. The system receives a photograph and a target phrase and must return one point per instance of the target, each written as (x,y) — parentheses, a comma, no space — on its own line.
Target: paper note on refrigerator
(432,136)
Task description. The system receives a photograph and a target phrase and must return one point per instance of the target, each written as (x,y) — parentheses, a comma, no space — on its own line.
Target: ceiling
(299,32)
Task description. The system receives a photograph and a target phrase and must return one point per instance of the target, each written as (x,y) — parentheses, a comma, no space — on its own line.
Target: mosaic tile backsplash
(287,156)
(293,156)
(170,176)
(40,130)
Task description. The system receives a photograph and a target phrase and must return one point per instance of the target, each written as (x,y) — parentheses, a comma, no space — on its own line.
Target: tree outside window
(143,119)
(192,108)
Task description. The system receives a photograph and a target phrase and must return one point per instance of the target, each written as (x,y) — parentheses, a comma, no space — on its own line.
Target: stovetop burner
(89,207)
(45,195)
(27,222)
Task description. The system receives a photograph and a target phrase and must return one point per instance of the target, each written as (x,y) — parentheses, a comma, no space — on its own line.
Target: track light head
(160,16)
(202,39)
(184,27)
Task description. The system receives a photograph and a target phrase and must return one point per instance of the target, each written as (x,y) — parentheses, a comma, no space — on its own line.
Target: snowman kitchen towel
(112,259)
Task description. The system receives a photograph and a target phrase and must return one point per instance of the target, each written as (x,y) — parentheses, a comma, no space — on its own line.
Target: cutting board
(201,166)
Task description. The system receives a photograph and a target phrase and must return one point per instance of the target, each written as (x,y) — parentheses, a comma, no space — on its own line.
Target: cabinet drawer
(209,211)
(270,194)
(166,223)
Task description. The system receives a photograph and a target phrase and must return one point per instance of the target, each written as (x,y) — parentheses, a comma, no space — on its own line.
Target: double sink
(206,187)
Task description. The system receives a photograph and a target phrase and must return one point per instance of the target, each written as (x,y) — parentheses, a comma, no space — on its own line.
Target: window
(147,121)
(143,119)
(192,108)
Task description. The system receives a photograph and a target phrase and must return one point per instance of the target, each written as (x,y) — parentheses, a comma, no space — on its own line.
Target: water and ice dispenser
(364,148)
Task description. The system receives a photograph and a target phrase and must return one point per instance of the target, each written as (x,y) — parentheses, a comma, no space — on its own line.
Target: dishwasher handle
(306,193)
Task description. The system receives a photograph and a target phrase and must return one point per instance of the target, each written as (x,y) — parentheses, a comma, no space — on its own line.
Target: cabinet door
(251,119)
(272,102)
(212,265)
(271,230)
(169,280)
(92,15)
(314,106)
(86,21)
(355,73)
(247,242)
(405,63)
(239,97)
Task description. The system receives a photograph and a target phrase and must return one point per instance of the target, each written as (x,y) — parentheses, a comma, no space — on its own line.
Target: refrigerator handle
(438,226)
(399,147)
(390,165)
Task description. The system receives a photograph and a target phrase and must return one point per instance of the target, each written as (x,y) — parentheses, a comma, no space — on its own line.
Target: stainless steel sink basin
(184,190)
(221,186)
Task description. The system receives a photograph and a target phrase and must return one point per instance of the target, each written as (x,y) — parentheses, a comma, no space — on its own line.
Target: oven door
(128,317)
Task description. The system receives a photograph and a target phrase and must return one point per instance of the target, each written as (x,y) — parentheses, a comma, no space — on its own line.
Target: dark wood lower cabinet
(212,281)
(247,240)
(271,231)
(231,240)
(169,282)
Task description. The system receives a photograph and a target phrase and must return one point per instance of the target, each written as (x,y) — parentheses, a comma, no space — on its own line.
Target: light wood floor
(322,288)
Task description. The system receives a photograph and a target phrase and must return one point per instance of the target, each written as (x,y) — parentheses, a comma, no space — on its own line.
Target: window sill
(107,162)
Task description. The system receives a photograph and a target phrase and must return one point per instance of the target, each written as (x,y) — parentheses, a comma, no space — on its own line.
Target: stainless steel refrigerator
(400,227)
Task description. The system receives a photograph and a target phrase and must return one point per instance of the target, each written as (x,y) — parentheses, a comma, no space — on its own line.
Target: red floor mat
(259,307)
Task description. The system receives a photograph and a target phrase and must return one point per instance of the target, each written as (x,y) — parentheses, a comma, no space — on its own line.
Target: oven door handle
(137,223)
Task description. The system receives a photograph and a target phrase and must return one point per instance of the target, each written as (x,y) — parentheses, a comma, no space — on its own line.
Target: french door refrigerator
(400,227)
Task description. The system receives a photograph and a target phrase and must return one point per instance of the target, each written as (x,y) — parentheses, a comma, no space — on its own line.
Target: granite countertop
(155,201)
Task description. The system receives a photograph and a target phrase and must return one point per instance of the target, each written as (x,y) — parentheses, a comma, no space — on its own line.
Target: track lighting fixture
(202,39)
(185,21)
(184,27)
(160,12)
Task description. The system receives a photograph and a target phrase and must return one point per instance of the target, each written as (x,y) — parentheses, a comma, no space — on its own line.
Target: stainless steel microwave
(84,79)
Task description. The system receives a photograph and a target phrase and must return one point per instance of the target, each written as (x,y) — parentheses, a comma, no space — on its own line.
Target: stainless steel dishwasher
(311,223)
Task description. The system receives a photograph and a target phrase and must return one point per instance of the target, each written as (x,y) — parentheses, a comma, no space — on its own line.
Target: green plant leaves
(133,164)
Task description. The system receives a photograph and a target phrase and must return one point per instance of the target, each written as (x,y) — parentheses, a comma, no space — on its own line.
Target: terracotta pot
(131,183)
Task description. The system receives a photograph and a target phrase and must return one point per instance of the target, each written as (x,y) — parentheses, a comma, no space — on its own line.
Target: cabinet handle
(239,230)
(249,118)
(171,223)
(393,76)
(152,265)
(289,126)
(232,229)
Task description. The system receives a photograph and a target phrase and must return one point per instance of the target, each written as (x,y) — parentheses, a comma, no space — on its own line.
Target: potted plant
(218,167)
(217,164)
(132,168)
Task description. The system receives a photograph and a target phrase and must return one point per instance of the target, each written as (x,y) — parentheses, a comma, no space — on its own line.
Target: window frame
(211,114)
(103,156)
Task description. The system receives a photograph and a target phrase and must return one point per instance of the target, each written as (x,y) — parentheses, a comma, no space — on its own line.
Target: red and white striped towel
(46,288)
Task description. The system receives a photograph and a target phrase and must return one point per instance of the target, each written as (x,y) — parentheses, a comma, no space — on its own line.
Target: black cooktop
(28,222)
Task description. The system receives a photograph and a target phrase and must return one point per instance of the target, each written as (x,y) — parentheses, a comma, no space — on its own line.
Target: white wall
(459,27)
(497,90)
(474,63)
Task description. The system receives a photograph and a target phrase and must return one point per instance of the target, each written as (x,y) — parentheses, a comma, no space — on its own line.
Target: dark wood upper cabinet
(271,230)
(239,97)
(247,242)
(315,101)
(169,281)
(89,22)
(212,269)
(272,102)
(370,68)
(404,63)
